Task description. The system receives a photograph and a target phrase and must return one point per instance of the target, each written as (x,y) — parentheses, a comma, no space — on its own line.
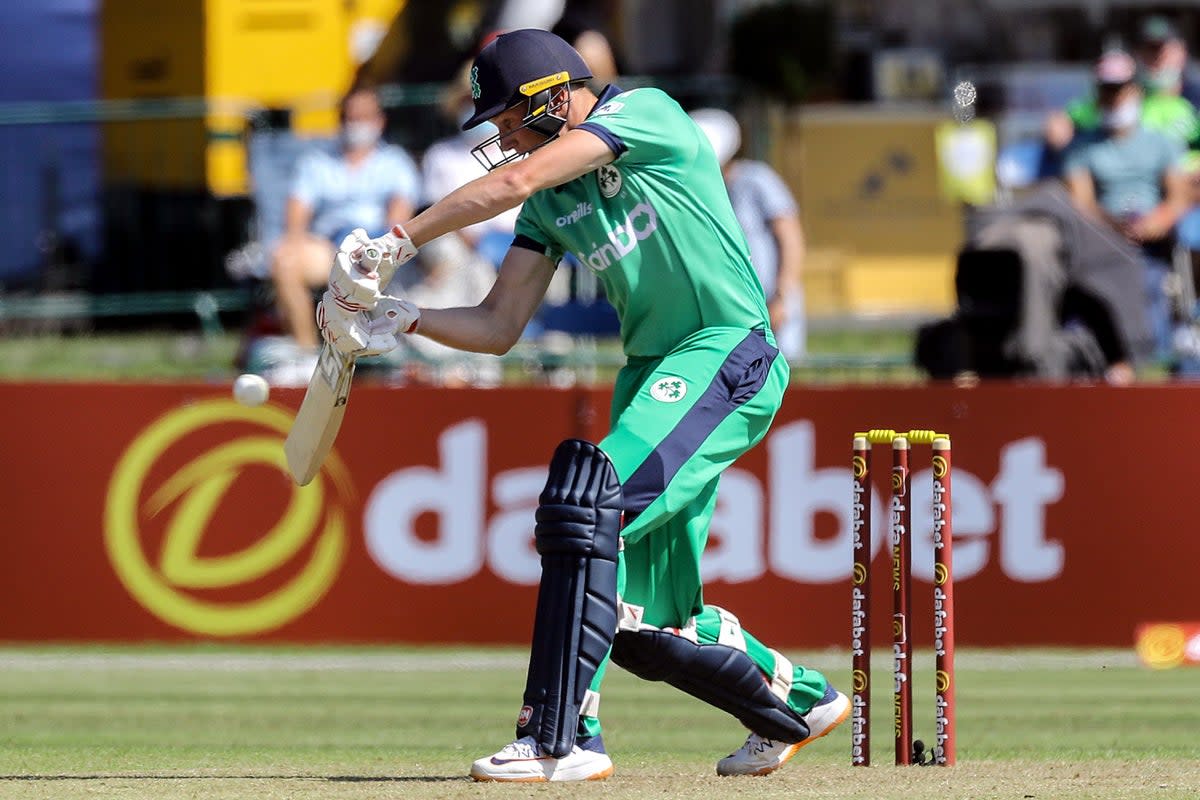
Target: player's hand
(366,333)
(355,277)
(394,245)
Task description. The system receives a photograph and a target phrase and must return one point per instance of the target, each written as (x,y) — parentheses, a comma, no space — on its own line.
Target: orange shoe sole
(791,751)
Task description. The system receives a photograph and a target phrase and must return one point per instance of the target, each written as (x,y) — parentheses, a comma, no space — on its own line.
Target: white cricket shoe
(760,756)
(525,761)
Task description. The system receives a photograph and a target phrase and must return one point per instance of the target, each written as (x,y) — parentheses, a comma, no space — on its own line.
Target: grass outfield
(836,354)
(256,722)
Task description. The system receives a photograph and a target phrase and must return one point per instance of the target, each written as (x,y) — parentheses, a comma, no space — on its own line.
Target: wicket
(907,751)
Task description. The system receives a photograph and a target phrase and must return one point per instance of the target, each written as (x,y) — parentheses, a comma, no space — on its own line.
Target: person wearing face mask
(1163,57)
(360,183)
(1131,178)
(448,164)
(1162,108)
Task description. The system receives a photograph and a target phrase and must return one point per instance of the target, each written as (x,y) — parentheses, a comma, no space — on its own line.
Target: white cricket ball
(250,390)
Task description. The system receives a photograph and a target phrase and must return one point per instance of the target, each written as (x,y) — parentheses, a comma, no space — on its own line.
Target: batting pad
(718,674)
(577,535)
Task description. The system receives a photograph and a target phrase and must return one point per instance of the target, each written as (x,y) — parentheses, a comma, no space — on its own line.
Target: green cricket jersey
(656,225)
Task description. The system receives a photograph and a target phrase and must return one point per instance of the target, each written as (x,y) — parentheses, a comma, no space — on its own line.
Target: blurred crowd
(1073,155)
(1085,268)
(362,181)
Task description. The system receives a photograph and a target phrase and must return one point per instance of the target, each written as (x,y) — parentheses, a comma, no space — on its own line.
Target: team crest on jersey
(609,180)
(668,390)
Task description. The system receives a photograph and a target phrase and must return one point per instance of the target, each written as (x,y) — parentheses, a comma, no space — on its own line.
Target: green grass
(128,356)
(838,354)
(259,722)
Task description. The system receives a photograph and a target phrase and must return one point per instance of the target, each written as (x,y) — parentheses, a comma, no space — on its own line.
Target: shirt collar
(610,91)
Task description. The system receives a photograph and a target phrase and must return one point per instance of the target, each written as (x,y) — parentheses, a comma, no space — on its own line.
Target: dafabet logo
(209,556)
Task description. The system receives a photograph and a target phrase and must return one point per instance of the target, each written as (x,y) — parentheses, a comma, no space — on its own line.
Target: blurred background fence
(112,224)
(142,144)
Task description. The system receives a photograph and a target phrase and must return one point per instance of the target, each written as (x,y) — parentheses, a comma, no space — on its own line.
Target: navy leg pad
(720,675)
(578,536)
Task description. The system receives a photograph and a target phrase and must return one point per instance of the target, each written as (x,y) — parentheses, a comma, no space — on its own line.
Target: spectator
(1162,107)
(767,213)
(584,29)
(1129,177)
(361,183)
(448,164)
(1163,57)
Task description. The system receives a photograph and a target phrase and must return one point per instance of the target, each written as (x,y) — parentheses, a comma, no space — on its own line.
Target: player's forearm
(477,330)
(477,201)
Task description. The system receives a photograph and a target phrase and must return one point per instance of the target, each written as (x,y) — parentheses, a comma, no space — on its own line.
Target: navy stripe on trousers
(740,378)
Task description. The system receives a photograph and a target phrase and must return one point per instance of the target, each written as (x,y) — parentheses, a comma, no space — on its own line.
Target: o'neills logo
(202,544)
(581,210)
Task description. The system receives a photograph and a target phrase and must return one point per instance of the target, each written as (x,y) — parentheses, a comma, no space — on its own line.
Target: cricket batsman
(629,184)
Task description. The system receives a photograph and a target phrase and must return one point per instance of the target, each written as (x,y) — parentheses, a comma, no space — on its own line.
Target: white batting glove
(355,277)
(366,333)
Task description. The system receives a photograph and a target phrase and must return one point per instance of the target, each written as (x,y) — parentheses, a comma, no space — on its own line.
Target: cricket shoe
(760,756)
(524,761)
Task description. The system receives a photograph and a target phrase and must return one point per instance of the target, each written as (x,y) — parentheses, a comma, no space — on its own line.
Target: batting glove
(366,333)
(355,277)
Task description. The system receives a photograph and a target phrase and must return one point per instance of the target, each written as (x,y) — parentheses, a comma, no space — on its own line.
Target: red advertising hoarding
(163,512)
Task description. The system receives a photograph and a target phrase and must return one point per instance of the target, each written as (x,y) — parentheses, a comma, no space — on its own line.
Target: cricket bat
(321,413)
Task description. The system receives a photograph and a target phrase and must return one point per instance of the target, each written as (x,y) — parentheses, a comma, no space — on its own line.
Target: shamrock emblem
(668,390)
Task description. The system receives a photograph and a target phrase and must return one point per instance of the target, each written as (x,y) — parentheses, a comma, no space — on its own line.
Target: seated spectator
(1162,108)
(1163,57)
(768,215)
(362,183)
(584,29)
(1129,177)
(448,164)
(447,274)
